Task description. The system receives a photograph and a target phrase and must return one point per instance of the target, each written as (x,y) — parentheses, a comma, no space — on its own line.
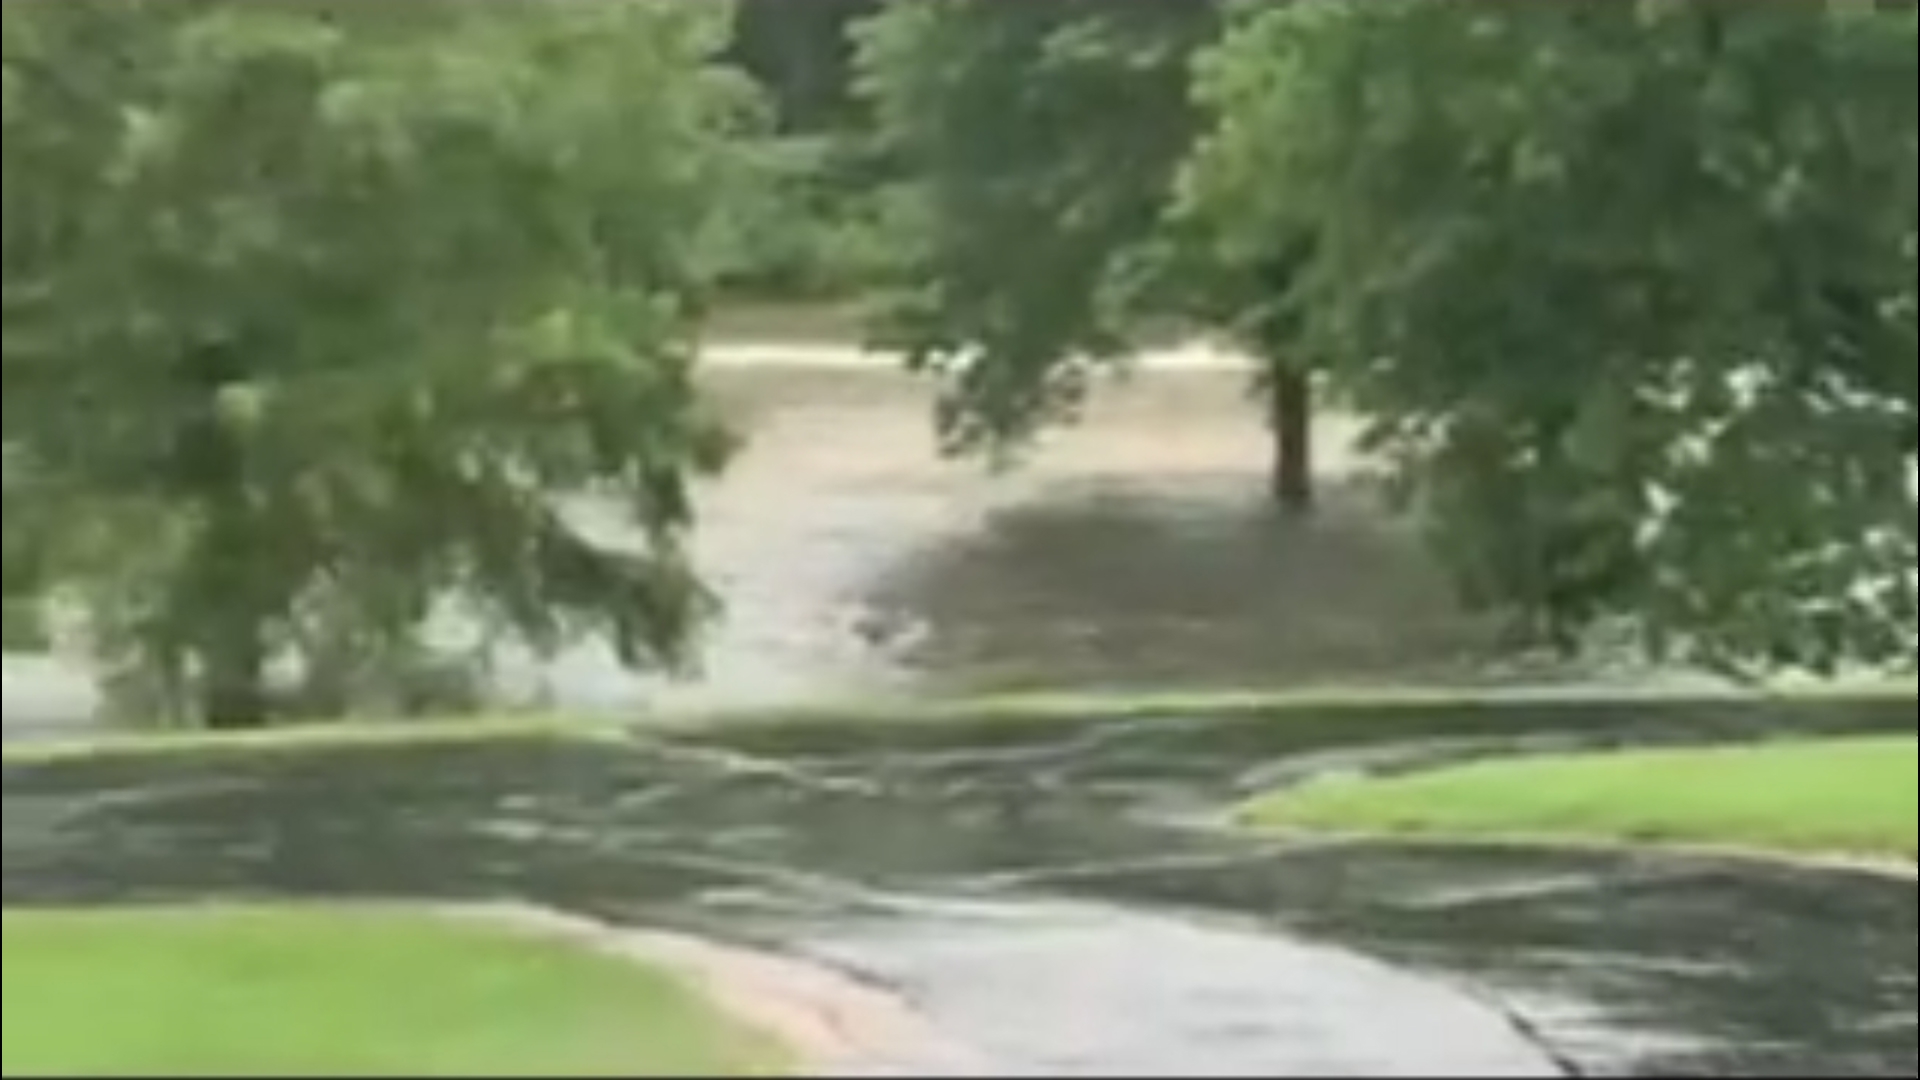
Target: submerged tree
(1038,236)
(1627,289)
(1033,150)
(317,315)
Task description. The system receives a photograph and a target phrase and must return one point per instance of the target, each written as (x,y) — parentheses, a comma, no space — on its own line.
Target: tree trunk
(233,694)
(227,595)
(232,598)
(1290,416)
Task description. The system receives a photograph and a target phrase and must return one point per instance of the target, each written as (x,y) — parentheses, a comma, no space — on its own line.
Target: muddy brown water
(1055,894)
(1136,548)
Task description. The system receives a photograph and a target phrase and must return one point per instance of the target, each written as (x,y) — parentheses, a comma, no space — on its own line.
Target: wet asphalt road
(1053,896)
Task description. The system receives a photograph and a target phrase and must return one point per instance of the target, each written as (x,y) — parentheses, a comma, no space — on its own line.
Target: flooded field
(1136,548)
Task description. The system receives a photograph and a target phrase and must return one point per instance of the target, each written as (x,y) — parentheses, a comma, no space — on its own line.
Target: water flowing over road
(1051,894)
(1056,894)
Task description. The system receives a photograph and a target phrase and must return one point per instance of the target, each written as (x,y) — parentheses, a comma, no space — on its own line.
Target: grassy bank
(319,735)
(1330,714)
(1837,796)
(222,991)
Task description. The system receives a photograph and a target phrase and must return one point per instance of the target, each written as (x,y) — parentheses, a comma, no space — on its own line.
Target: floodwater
(1054,893)
(1134,549)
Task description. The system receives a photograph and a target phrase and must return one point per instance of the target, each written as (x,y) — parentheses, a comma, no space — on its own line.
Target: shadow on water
(1080,589)
(966,859)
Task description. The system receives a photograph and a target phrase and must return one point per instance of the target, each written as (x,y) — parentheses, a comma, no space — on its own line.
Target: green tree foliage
(1628,287)
(802,54)
(1032,148)
(1056,131)
(318,314)
(806,230)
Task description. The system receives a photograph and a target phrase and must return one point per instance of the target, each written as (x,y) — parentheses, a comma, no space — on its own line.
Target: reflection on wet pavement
(1692,968)
(980,874)
(1162,997)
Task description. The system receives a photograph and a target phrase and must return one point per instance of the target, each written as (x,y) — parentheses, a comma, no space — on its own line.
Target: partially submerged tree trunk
(233,692)
(231,603)
(1290,417)
(226,600)
(1276,337)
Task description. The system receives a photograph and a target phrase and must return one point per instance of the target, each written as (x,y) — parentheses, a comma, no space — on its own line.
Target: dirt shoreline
(833,1023)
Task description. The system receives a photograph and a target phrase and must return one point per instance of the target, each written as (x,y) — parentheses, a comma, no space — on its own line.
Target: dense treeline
(317,315)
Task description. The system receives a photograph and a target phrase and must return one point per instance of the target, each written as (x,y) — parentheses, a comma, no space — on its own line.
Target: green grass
(373,991)
(311,735)
(1837,796)
(1411,706)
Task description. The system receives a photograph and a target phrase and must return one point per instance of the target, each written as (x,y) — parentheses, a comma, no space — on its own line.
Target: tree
(1627,289)
(803,55)
(1033,149)
(804,231)
(319,317)
(1057,130)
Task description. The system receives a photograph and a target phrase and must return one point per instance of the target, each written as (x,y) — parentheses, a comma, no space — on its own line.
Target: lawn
(228,991)
(1328,715)
(1839,796)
